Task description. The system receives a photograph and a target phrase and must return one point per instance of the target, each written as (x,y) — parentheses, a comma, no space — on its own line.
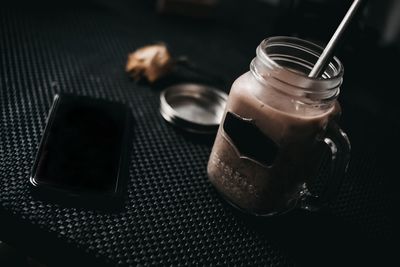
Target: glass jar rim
(283,63)
(307,46)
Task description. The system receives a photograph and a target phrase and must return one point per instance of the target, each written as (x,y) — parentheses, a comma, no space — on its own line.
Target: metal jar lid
(193,107)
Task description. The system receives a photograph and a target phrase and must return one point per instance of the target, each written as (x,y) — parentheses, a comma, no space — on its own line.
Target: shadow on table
(320,239)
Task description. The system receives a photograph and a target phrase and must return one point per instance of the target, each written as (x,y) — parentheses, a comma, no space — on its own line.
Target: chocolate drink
(266,148)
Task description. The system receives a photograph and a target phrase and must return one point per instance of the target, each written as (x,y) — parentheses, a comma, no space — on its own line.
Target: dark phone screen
(83,145)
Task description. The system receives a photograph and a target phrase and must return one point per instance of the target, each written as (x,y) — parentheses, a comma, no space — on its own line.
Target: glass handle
(338,142)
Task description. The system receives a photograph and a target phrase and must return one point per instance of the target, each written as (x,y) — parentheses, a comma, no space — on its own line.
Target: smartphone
(84,151)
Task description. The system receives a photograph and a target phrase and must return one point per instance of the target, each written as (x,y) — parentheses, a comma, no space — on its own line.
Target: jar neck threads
(284,63)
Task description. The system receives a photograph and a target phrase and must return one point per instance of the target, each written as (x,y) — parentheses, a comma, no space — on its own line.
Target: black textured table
(172,215)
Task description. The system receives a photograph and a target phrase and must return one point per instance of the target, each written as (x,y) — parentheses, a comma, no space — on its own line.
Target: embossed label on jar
(249,140)
(231,179)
